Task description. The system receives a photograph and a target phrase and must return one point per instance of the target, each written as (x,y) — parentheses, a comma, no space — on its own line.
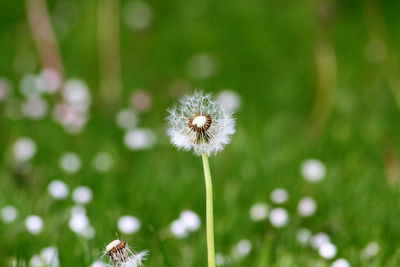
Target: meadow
(311,177)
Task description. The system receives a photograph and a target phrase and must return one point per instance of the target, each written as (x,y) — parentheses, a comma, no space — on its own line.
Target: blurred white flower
(200,124)
(58,189)
(278,217)
(190,220)
(303,236)
(137,15)
(78,209)
(122,256)
(70,162)
(327,250)
(24,149)
(229,100)
(178,229)
(30,85)
(141,100)
(49,256)
(35,107)
(4,89)
(340,263)
(202,66)
(370,250)
(102,162)
(36,261)
(319,239)
(128,224)
(9,214)
(127,118)
(259,211)
(220,259)
(79,223)
(279,196)
(313,170)
(306,207)
(34,224)
(139,139)
(51,79)
(82,195)
(76,94)
(242,248)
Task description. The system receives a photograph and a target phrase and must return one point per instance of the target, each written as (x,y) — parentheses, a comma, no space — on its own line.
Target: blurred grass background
(317,79)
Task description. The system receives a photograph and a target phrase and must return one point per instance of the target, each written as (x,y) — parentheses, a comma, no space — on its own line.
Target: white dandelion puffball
(34,224)
(370,250)
(35,107)
(78,223)
(137,15)
(49,256)
(122,255)
(279,217)
(70,162)
(9,214)
(58,189)
(200,124)
(307,207)
(219,259)
(259,212)
(36,261)
(190,220)
(229,100)
(178,229)
(128,224)
(313,170)
(76,94)
(319,239)
(24,149)
(340,263)
(82,195)
(279,196)
(102,162)
(139,139)
(327,251)
(242,248)
(127,118)
(303,236)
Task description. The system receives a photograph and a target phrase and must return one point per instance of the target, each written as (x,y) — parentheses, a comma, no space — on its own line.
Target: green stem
(209,213)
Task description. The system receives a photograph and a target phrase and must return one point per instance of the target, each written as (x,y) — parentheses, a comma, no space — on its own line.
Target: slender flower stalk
(200,124)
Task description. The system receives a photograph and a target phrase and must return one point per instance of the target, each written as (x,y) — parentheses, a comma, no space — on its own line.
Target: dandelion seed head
(98,264)
(340,263)
(200,124)
(49,256)
(370,250)
(279,217)
(319,239)
(313,170)
(190,220)
(307,207)
(35,107)
(82,195)
(279,196)
(303,236)
(24,149)
(259,211)
(58,189)
(242,248)
(128,224)
(121,255)
(34,224)
(327,250)
(9,214)
(70,162)
(139,139)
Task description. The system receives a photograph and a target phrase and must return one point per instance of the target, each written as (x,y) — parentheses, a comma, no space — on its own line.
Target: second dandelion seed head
(122,256)
(200,124)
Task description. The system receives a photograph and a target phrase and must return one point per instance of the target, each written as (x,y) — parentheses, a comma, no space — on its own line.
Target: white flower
(128,224)
(122,256)
(200,124)
(34,224)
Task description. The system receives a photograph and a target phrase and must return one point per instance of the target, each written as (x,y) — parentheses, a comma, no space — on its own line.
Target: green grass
(265,52)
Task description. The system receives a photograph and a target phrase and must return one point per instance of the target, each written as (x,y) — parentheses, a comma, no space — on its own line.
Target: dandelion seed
(200,124)
(259,211)
(279,217)
(121,254)
(9,214)
(58,189)
(34,224)
(306,207)
(340,263)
